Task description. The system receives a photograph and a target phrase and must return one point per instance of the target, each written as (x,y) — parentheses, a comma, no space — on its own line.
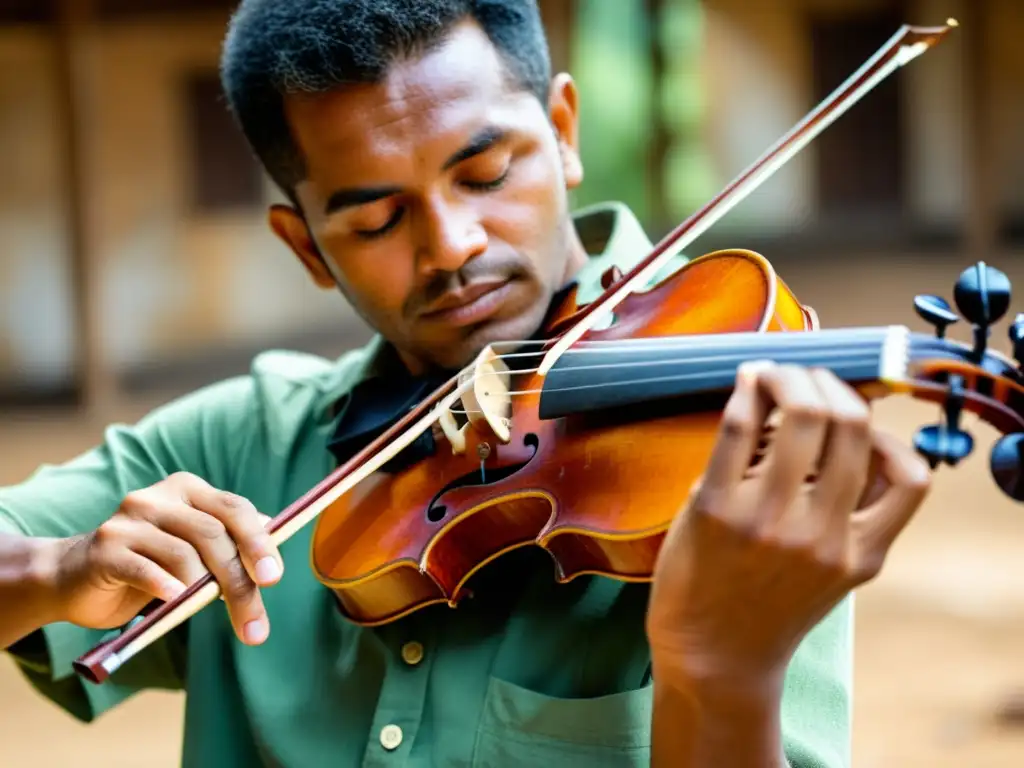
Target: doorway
(860,157)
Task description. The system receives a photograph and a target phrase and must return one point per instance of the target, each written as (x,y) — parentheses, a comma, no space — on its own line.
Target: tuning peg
(941,444)
(1017,339)
(982,294)
(935,311)
(1006,463)
(946,443)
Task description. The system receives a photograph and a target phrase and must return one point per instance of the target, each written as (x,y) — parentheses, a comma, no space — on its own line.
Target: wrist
(29,589)
(704,718)
(710,680)
(42,577)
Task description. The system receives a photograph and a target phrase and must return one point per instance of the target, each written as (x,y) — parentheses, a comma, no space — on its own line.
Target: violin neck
(698,373)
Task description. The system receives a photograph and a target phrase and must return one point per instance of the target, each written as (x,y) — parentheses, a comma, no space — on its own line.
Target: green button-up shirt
(530,674)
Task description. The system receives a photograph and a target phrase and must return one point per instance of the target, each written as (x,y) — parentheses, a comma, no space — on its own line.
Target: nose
(453,234)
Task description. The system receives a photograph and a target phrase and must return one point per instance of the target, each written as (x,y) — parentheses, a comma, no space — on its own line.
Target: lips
(470,304)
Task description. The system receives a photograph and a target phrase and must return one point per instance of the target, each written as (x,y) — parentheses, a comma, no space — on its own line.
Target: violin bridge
(489,400)
(454,434)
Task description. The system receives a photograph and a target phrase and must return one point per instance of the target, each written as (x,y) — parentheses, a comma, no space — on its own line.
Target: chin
(516,327)
(515,323)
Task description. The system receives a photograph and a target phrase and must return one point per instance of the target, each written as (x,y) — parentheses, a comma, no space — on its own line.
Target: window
(224,175)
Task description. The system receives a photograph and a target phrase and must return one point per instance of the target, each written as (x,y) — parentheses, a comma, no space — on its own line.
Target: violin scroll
(982,295)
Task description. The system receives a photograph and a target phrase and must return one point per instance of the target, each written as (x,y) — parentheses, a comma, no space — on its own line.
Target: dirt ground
(940,634)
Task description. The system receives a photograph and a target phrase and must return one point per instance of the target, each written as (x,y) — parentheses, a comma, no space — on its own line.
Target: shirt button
(390,737)
(412,653)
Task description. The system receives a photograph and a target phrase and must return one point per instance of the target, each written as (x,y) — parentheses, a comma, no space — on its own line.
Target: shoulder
(281,386)
(285,396)
(219,430)
(292,385)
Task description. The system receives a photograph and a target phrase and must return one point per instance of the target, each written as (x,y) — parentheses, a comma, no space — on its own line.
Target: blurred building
(132,220)
(933,153)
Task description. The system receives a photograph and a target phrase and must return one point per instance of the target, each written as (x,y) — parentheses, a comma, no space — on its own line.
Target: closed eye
(488,186)
(370,234)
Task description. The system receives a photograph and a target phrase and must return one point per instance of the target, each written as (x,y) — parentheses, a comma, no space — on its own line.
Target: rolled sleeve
(818,693)
(200,433)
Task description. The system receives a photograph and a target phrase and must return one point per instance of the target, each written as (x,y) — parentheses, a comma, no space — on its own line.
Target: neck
(577,253)
(699,371)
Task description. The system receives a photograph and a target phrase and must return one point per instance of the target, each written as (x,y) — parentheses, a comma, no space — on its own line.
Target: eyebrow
(349,198)
(480,143)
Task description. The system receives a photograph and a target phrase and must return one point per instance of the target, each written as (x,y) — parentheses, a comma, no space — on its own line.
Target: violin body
(597,495)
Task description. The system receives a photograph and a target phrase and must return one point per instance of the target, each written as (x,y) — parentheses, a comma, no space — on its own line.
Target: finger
(139,572)
(172,553)
(210,538)
(909,479)
(738,434)
(877,483)
(246,526)
(847,452)
(798,441)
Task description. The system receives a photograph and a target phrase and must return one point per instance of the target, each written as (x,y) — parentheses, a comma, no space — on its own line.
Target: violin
(586,441)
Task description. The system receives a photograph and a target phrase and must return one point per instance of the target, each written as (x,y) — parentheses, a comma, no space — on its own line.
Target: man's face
(438,200)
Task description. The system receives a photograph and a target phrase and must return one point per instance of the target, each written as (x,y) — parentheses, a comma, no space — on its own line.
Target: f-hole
(436,512)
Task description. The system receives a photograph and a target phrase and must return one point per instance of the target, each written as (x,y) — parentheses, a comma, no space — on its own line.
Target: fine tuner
(982,296)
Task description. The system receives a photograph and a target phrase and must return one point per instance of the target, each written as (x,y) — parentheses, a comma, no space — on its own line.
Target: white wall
(759,85)
(168,282)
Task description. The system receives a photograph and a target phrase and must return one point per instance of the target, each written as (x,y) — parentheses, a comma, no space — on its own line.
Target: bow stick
(907,44)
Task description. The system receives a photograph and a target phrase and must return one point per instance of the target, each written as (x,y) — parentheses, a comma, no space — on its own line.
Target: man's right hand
(161,539)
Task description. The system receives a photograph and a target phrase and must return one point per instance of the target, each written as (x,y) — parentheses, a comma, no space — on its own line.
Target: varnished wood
(598,497)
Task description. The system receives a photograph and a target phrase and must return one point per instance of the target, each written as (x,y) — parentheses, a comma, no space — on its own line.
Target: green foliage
(610,64)
(612,44)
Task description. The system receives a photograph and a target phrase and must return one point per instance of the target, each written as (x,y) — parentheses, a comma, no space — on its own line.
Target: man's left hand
(760,555)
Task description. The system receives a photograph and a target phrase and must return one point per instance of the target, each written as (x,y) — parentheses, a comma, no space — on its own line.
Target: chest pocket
(570,683)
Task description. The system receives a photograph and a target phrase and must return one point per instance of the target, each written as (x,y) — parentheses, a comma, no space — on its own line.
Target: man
(428,154)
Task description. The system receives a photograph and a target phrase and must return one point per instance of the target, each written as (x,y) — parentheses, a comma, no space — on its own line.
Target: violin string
(695,341)
(738,354)
(729,357)
(851,353)
(846,362)
(735,352)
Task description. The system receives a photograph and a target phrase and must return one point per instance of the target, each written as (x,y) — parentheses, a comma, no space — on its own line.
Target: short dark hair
(277,47)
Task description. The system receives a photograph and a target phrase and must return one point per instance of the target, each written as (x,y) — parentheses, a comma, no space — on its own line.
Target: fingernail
(749,369)
(255,631)
(173,589)
(267,570)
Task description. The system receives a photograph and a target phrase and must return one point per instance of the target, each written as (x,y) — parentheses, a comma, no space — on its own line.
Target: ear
(563,108)
(293,231)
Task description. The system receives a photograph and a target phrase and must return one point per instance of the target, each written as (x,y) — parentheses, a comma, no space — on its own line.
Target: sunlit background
(135,264)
